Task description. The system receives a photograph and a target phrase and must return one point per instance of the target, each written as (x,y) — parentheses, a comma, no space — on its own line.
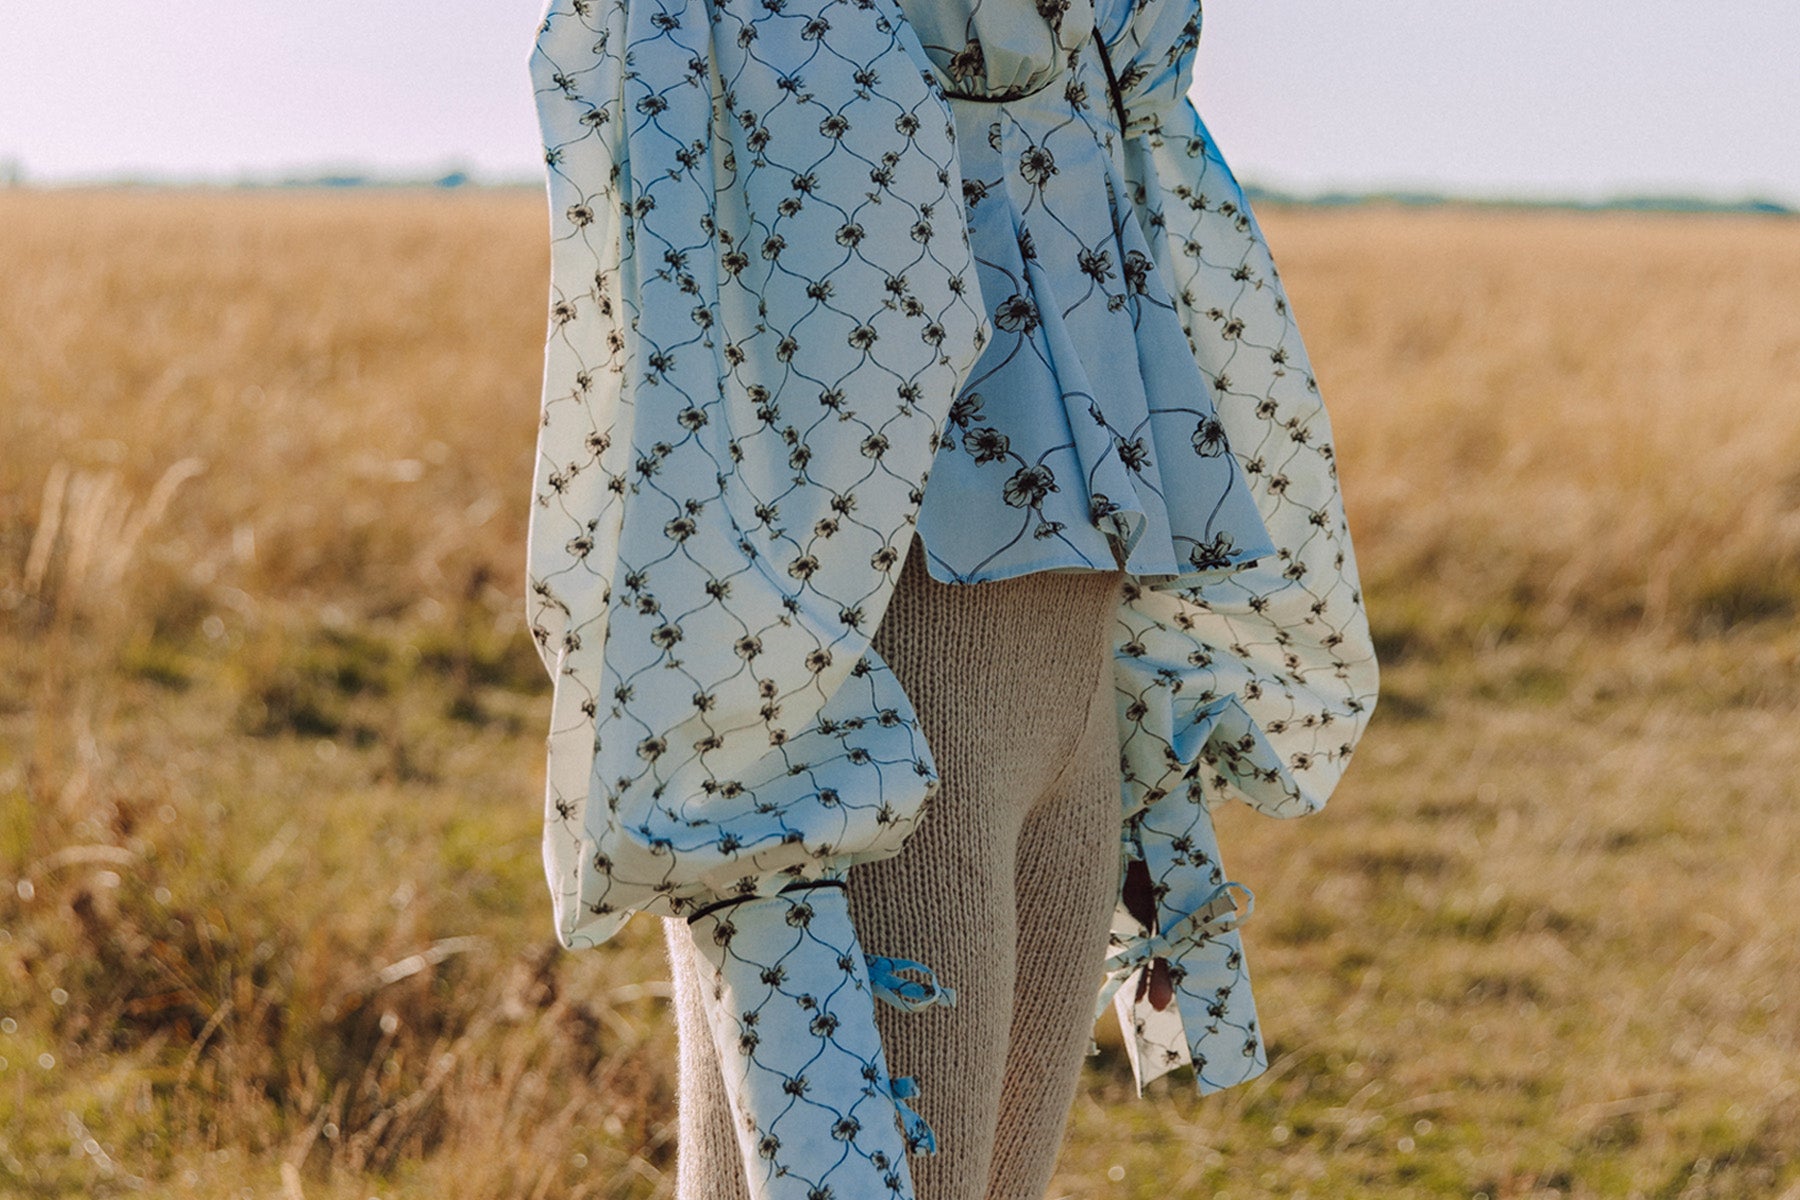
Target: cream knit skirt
(1006,888)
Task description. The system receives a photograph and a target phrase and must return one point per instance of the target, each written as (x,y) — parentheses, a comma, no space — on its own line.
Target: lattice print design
(1183,989)
(1086,435)
(791,1011)
(759,318)
(757,328)
(1256,686)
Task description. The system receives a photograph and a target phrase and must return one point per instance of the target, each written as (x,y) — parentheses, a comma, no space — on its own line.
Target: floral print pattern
(790,1008)
(827,273)
(1255,686)
(1086,435)
(762,305)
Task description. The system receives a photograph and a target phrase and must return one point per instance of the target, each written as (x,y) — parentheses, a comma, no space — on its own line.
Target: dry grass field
(272,919)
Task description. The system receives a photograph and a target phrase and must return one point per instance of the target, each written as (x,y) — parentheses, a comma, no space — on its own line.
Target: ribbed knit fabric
(1005,889)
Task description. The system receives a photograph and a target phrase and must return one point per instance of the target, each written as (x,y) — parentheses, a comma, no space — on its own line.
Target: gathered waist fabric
(1085,436)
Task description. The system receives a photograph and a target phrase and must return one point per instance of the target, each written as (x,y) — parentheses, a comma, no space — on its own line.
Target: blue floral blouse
(827,274)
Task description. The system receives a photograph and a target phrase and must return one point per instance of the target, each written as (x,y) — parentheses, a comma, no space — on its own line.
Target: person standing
(935,517)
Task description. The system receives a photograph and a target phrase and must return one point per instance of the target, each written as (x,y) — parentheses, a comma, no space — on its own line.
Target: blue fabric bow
(919,1138)
(908,995)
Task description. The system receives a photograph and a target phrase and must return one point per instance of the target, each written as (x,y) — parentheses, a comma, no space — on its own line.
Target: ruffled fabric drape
(1256,686)
(761,309)
(760,313)
(1086,436)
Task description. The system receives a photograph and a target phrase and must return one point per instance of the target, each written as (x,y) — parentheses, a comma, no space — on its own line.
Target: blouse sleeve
(760,314)
(1254,686)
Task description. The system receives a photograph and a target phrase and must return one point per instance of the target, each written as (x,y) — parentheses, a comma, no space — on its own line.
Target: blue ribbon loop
(908,995)
(919,1138)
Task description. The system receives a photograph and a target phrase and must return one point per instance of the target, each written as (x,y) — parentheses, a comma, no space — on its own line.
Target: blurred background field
(272,919)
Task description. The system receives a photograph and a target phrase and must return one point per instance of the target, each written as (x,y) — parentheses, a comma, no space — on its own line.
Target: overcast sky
(1577,98)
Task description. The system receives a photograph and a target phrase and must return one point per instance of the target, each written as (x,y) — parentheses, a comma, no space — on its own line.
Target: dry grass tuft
(1560,419)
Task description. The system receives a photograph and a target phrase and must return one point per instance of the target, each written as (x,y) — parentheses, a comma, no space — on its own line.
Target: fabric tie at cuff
(906,994)
(1197,928)
(919,1137)
(791,1011)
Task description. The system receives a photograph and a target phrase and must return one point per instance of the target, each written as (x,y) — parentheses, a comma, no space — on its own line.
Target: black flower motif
(1213,555)
(1138,270)
(1096,264)
(969,62)
(1016,314)
(1029,486)
(965,409)
(1037,165)
(1209,438)
(986,444)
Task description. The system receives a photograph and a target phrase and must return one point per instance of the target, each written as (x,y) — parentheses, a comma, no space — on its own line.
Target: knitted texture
(1006,888)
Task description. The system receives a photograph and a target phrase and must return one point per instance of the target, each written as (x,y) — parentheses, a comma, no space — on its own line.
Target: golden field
(272,919)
